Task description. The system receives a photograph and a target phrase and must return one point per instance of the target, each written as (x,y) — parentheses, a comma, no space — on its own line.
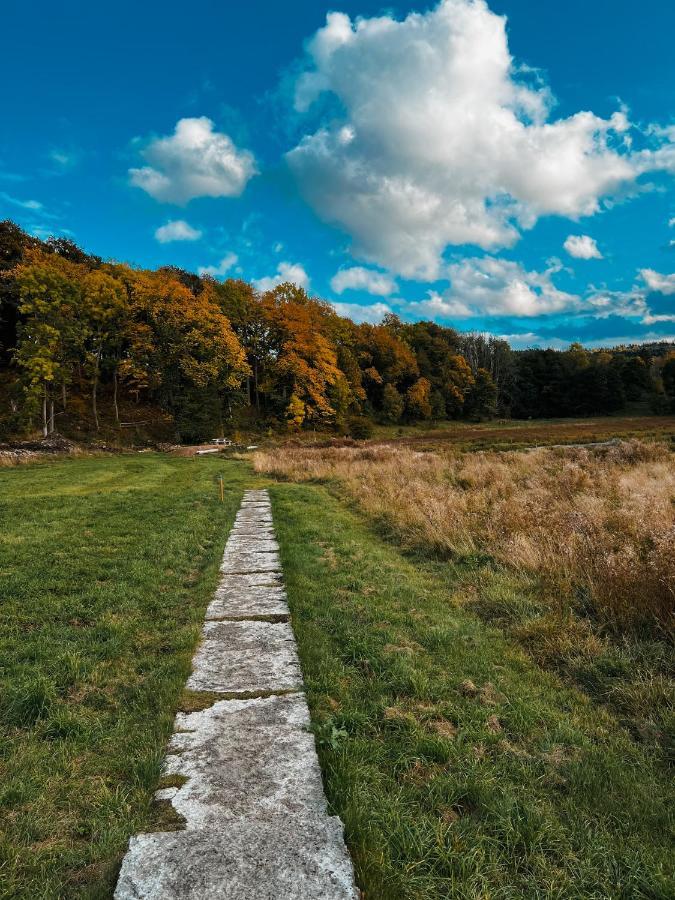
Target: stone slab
(254,515)
(243,561)
(249,603)
(260,543)
(245,758)
(279,859)
(238,657)
(251,798)
(255,594)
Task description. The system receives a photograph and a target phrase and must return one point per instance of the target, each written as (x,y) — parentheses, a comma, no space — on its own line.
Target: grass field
(503,434)
(461,767)
(106,567)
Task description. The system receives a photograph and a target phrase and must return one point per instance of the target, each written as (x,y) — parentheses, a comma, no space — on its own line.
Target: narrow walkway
(250,791)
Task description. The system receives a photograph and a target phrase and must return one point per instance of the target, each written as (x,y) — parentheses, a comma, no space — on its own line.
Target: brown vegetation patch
(595,525)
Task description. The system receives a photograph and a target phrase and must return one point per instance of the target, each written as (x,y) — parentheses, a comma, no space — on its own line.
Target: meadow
(489,722)
(571,551)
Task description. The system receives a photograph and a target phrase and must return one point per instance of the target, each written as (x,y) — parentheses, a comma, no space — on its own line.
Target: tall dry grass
(595,525)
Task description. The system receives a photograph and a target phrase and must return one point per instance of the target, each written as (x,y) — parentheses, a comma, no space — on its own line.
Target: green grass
(523,788)
(106,567)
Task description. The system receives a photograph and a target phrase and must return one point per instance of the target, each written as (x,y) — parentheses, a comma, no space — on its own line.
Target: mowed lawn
(106,568)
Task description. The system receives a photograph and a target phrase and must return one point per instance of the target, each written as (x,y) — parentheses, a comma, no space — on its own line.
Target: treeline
(218,355)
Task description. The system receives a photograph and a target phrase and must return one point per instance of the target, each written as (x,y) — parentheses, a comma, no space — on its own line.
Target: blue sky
(506,167)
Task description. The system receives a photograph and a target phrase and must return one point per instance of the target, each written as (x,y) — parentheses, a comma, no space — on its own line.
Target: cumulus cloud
(223,267)
(581,246)
(195,161)
(359,279)
(495,287)
(655,281)
(373,313)
(434,137)
(286,271)
(177,230)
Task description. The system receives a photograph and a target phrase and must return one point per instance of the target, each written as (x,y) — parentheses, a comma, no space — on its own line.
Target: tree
(481,400)
(438,360)
(392,404)
(52,332)
(104,306)
(417,400)
(295,413)
(306,361)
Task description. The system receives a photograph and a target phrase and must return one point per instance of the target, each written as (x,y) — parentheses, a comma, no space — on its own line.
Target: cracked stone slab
(243,561)
(260,519)
(254,594)
(242,603)
(262,544)
(238,657)
(245,758)
(278,859)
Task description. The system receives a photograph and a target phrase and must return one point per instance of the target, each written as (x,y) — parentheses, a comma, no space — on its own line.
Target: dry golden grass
(595,525)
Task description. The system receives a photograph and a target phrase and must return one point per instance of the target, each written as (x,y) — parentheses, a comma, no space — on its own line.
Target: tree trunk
(44,413)
(51,416)
(63,395)
(117,411)
(93,402)
(94,389)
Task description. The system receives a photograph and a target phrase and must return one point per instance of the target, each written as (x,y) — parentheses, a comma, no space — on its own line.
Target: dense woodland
(79,335)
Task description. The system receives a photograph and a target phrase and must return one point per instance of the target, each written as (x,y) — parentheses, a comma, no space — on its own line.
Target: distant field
(509,433)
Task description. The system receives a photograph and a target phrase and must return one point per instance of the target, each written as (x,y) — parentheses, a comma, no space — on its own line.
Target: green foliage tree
(393,404)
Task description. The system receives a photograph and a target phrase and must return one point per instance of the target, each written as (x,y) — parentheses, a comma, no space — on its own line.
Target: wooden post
(222,489)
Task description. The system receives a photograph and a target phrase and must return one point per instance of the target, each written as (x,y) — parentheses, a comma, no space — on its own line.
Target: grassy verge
(460,768)
(106,567)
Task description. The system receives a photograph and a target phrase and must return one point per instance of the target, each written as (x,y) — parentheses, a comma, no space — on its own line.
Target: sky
(504,167)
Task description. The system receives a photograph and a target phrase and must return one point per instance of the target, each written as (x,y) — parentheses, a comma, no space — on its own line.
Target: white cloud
(581,246)
(441,306)
(357,313)
(661,284)
(33,205)
(671,222)
(223,267)
(286,271)
(359,279)
(495,287)
(177,230)
(441,139)
(195,161)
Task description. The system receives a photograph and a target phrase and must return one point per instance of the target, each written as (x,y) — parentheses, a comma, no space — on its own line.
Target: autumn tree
(51,336)
(384,359)
(104,309)
(418,400)
(306,364)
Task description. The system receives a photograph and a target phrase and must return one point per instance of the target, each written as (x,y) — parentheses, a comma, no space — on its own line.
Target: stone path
(250,794)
